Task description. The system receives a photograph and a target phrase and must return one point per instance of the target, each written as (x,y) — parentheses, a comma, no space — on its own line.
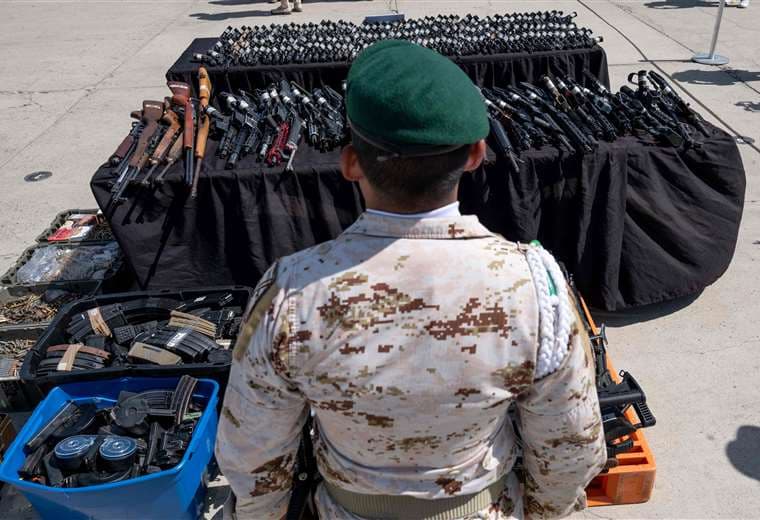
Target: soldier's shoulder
(499,245)
(308,263)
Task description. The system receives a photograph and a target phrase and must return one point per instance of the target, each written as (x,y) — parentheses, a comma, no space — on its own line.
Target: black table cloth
(634,222)
(497,69)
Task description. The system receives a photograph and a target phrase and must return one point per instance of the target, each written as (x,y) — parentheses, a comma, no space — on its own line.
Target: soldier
(410,335)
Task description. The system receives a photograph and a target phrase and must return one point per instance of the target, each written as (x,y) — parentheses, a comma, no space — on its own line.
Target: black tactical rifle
(616,394)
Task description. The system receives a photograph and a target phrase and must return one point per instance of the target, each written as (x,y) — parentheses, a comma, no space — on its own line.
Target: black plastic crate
(14,288)
(15,394)
(60,219)
(7,330)
(55,334)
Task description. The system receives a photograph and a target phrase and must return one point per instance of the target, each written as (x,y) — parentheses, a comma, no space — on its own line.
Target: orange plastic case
(632,481)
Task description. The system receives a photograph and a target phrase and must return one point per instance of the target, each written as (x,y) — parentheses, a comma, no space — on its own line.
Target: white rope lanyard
(555,316)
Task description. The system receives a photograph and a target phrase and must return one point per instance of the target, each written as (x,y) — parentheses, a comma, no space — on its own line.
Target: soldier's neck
(382,204)
(450,210)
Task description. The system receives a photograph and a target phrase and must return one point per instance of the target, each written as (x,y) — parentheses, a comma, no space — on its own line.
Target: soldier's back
(410,340)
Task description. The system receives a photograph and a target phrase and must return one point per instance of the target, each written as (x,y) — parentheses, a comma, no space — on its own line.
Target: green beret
(412,101)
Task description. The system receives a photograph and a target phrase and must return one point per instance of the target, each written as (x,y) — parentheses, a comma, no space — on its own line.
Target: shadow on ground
(252,12)
(643,313)
(717,77)
(744,451)
(212,17)
(749,106)
(681,4)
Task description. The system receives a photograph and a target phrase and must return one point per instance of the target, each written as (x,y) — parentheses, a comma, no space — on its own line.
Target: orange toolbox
(632,480)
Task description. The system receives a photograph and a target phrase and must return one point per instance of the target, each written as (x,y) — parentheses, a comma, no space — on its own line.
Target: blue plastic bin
(177,493)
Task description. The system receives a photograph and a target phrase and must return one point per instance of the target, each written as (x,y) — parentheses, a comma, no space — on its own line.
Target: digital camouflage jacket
(408,340)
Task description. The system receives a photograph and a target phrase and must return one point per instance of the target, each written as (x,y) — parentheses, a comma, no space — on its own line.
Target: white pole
(711,58)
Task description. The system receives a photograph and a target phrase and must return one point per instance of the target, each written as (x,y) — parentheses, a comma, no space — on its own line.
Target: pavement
(73,70)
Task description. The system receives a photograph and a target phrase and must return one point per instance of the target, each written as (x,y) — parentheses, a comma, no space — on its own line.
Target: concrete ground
(73,70)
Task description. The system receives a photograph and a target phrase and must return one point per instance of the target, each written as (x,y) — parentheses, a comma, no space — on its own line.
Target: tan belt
(409,508)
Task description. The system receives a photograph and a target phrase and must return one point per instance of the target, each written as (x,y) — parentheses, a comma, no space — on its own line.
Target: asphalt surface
(73,70)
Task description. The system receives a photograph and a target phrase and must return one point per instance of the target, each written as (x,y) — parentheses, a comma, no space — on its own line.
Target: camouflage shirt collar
(425,228)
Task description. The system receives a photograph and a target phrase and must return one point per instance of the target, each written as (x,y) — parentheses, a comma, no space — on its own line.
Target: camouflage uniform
(409,339)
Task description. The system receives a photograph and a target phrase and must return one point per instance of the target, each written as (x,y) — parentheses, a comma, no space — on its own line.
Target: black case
(54,335)
(78,286)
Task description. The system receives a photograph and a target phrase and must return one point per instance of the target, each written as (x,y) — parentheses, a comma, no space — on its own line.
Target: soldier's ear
(349,164)
(476,156)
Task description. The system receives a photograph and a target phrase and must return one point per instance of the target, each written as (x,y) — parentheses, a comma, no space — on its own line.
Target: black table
(497,69)
(634,222)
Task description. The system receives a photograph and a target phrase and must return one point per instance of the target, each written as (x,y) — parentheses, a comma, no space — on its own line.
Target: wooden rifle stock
(152,113)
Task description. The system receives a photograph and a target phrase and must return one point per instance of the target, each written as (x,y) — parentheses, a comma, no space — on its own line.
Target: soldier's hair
(411,181)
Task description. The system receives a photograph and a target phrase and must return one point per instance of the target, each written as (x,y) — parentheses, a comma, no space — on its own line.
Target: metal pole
(711,58)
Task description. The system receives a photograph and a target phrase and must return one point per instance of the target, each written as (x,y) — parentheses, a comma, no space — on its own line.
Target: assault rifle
(661,107)
(616,395)
(683,107)
(582,142)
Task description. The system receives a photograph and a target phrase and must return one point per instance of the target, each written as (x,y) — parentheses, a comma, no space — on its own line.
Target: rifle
(661,107)
(499,142)
(175,152)
(127,146)
(571,131)
(247,123)
(540,120)
(505,113)
(152,112)
(647,120)
(226,126)
(690,114)
(606,127)
(578,117)
(181,97)
(615,396)
(293,140)
(174,128)
(204,124)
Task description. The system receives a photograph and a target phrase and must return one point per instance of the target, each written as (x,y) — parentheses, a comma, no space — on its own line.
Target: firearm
(647,120)
(175,152)
(204,124)
(293,140)
(542,121)
(254,136)
(181,97)
(310,113)
(162,148)
(498,137)
(661,108)
(226,126)
(606,128)
(690,114)
(571,131)
(152,112)
(615,397)
(498,140)
(631,115)
(127,146)
(576,114)
(504,112)
(617,117)
(246,121)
